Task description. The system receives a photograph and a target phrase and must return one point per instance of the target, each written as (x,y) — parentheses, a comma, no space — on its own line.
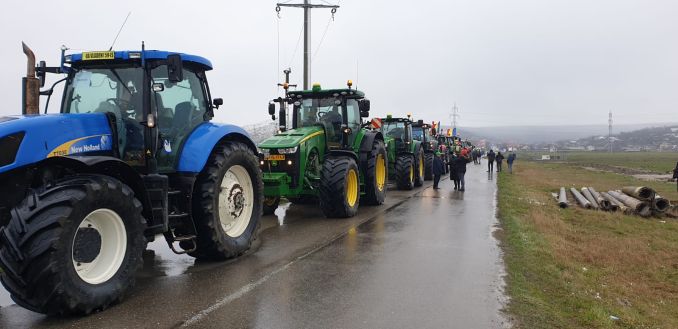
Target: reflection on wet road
(426,258)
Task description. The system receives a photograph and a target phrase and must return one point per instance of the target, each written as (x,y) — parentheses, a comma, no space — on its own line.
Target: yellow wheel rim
(421,166)
(411,174)
(352,188)
(381,172)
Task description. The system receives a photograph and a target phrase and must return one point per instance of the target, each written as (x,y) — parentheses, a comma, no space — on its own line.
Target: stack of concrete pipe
(639,200)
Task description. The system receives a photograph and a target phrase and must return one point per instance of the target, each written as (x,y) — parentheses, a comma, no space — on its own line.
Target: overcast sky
(521,62)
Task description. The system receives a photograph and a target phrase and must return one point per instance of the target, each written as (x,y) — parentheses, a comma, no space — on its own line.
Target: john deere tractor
(132,154)
(422,132)
(327,155)
(405,154)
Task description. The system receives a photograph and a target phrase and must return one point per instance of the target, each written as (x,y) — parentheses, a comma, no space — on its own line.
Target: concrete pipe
(641,208)
(580,198)
(587,194)
(639,192)
(660,204)
(615,203)
(562,198)
(602,202)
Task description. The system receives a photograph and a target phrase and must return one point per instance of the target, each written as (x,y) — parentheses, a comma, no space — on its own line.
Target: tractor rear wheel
(404,167)
(428,163)
(376,174)
(227,203)
(73,247)
(419,168)
(339,187)
(271,204)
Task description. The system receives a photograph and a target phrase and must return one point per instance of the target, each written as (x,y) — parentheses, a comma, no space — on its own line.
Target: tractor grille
(283,166)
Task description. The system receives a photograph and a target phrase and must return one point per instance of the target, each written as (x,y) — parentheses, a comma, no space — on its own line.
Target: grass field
(652,162)
(576,268)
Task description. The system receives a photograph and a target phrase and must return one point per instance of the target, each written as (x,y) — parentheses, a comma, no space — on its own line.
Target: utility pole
(453,116)
(609,132)
(307,6)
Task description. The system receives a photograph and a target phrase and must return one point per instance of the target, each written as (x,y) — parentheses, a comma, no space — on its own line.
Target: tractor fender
(346,153)
(202,141)
(366,146)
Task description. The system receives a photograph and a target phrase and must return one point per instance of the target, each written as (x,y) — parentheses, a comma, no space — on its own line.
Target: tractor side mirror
(218,102)
(421,122)
(364,106)
(271,108)
(175,68)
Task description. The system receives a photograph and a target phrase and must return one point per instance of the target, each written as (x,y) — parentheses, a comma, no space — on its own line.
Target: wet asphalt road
(426,258)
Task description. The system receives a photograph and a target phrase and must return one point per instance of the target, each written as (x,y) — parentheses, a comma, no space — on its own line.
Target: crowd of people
(457,162)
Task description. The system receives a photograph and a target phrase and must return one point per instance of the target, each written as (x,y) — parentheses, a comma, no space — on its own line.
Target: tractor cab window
(181,106)
(398,131)
(117,90)
(418,133)
(353,117)
(322,111)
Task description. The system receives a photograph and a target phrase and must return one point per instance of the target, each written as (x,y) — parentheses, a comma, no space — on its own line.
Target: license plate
(277,157)
(98,55)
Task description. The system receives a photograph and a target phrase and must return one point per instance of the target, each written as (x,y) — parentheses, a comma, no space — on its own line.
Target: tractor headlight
(290,150)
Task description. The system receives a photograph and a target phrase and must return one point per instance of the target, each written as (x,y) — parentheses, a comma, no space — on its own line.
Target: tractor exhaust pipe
(30,86)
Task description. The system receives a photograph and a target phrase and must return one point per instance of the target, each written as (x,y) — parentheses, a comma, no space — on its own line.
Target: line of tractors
(133,154)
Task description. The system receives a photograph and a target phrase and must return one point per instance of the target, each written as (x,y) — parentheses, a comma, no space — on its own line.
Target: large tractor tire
(271,204)
(428,162)
(419,168)
(339,187)
(404,167)
(376,175)
(228,202)
(74,247)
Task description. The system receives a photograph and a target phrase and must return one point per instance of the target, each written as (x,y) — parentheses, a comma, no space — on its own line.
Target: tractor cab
(400,130)
(155,99)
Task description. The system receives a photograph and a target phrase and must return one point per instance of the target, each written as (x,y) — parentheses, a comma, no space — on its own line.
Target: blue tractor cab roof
(102,56)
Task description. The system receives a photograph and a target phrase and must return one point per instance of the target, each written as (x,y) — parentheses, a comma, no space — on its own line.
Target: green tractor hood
(291,138)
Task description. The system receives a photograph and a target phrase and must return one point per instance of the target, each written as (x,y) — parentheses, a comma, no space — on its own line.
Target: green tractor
(328,155)
(406,159)
(423,132)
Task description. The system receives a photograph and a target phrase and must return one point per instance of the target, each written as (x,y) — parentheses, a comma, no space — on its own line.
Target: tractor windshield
(322,111)
(396,130)
(418,133)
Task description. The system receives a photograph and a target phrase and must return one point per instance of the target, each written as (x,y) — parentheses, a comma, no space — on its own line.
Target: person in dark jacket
(460,166)
(438,169)
(509,161)
(675,175)
(499,159)
(453,171)
(490,161)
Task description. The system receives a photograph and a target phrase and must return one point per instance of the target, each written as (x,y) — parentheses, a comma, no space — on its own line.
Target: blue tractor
(131,155)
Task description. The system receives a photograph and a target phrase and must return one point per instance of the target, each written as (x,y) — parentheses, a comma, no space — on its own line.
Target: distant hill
(647,139)
(548,134)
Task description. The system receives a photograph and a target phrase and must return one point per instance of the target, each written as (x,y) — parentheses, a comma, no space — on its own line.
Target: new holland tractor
(327,155)
(406,159)
(131,155)
(422,132)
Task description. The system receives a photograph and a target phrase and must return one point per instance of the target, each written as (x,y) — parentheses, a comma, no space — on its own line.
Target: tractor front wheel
(73,247)
(404,172)
(339,187)
(376,174)
(228,202)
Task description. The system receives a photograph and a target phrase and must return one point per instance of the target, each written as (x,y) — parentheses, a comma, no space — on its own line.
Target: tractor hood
(25,140)
(292,138)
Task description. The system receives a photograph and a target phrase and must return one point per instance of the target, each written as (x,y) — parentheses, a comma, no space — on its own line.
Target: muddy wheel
(73,247)
(376,175)
(419,168)
(428,163)
(228,202)
(404,167)
(339,187)
(271,204)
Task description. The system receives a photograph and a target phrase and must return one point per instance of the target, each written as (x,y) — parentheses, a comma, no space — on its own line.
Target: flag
(454,131)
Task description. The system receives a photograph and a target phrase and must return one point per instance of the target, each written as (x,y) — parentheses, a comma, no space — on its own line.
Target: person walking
(453,171)
(509,161)
(460,166)
(490,160)
(438,169)
(499,158)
